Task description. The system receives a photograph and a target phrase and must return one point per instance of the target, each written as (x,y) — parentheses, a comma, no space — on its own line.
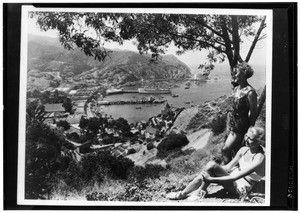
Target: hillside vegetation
(153,175)
(120,67)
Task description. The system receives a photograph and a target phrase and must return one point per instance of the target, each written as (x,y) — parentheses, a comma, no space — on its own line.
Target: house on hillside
(75,119)
(54,107)
(150,132)
(62,89)
(85,147)
(74,128)
(55,111)
(72,92)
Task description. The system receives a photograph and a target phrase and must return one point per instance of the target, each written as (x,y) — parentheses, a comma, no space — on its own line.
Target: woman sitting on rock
(243,112)
(238,176)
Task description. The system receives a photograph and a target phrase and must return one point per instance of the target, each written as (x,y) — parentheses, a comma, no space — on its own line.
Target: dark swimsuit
(238,116)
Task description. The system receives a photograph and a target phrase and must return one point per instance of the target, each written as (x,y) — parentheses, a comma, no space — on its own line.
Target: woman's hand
(206,177)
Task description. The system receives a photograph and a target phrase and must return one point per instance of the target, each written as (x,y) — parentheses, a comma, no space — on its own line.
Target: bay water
(198,93)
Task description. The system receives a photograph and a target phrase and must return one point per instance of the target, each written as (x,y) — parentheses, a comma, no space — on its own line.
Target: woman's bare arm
(252,101)
(257,161)
(235,160)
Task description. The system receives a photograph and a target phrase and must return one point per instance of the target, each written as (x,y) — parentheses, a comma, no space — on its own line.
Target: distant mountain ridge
(121,66)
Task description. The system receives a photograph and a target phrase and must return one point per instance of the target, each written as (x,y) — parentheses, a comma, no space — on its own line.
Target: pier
(142,101)
(130,91)
(139,90)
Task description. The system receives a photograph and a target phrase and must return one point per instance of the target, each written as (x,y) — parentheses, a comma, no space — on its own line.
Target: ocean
(198,93)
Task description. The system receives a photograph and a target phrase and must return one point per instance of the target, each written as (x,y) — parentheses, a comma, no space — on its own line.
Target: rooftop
(54,108)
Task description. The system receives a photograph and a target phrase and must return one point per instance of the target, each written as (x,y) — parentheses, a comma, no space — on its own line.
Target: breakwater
(139,90)
(142,101)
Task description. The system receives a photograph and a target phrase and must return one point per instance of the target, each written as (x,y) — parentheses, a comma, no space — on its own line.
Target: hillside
(46,55)
(204,126)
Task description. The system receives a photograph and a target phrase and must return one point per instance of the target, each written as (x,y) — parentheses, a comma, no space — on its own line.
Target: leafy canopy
(154,33)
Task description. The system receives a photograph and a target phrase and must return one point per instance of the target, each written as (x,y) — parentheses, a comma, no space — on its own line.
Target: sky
(190,58)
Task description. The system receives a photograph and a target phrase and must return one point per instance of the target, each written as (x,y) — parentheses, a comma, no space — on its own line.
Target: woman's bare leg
(233,141)
(213,169)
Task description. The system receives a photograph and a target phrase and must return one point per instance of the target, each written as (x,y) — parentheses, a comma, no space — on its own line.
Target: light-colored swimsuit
(245,184)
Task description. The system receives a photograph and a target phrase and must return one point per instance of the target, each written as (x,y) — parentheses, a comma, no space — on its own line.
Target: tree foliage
(67,104)
(65,124)
(219,34)
(43,148)
(120,126)
(93,125)
(35,112)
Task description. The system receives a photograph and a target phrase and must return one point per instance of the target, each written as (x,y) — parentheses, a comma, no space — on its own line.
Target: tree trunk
(235,40)
(261,101)
(227,41)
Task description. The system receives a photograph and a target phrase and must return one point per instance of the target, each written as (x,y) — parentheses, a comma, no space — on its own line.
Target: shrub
(218,124)
(150,146)
(196,121)
(68,145)
(131,151)
(69,176)
(109,139)
(94,168)
(43,147)
(86,137)
(148,139)
(73,136)
(103,162)
(171,142)
(96,196)
(139,173)
(64,124)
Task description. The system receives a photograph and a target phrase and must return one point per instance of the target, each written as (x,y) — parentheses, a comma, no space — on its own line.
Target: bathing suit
(245,184)
(238,116)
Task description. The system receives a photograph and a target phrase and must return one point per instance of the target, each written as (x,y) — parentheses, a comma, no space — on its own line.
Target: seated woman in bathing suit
(243,111)
(238,176)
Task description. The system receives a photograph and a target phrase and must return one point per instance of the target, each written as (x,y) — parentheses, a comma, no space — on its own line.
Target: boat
(154,91)
(114,91)
(138,107)
(174,95)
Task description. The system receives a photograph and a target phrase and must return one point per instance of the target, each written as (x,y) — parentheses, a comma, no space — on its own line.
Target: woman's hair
(259,134)
(245,68)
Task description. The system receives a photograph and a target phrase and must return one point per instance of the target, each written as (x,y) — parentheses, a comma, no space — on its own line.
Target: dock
(142,101)
(131,91)
(139,90)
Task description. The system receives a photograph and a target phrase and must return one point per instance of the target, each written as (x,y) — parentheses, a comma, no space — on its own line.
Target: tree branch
(221,43)
(261,27)
(197,40)
(262,37)
(208,27)
(205,42)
